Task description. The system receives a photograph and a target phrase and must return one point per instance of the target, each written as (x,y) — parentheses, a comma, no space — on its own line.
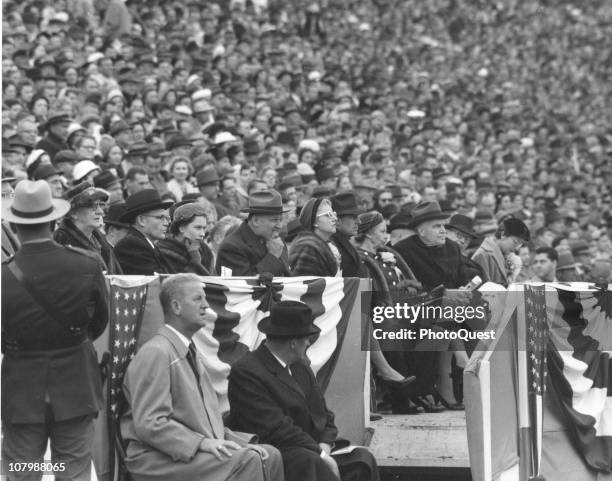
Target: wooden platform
(432,441)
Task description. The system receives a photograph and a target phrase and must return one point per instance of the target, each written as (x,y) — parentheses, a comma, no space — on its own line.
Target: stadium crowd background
(491,108)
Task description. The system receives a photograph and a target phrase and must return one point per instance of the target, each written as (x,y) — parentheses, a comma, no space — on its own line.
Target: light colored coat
(167,420)
(490,257)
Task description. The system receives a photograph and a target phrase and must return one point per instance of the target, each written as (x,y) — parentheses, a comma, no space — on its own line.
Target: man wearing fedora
(148,218)
(57,133)
(274,393)
(256,246)
(54,303)
(435,260)
(497,255)
(173,425)
(460,229)
(208,183)
(345,207)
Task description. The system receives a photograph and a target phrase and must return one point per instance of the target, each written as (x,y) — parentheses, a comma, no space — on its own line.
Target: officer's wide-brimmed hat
(289,319)
(426,211)
(143,201)
(33,204)
(265,202)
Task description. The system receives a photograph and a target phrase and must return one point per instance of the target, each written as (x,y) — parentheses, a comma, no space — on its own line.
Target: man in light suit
(173,426)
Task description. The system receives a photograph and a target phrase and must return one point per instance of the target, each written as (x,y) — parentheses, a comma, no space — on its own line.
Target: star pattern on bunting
(537,337)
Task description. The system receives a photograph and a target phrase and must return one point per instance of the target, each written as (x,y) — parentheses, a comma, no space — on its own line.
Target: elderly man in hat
(433,257)
(54,303)
(256,246)
(57,133)
(497,255)
(274,393)
(435,260)
(148,217)
(208,183)
(173,426)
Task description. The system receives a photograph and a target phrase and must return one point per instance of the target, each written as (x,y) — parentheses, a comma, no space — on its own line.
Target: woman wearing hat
(181,248)
(383,269)
(80,228)
(312,253)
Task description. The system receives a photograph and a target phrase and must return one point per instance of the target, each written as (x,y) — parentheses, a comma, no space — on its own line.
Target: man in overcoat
(256,246)
(54,304)
(148,217)
(173,426)
(274,393)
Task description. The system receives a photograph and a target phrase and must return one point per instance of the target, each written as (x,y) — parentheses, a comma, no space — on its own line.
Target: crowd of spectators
(168,123)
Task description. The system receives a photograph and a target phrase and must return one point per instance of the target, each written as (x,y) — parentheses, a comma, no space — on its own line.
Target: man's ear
(175,306)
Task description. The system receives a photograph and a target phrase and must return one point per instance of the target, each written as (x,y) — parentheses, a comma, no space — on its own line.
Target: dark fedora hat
(105,180)
(118,127)
(289,319)
(345,204)
(114,213)
(265,202)
(401,220)
(207,176)
(426,211)
(463,224)
(143,201)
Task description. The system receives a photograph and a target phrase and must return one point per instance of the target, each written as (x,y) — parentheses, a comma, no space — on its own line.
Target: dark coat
(138,257)
(434,265)
(311,256)
(351,264)
(289,412)
(246,254)
(46,355)
(285,411)
(68,234)
(52,145)
(177,257)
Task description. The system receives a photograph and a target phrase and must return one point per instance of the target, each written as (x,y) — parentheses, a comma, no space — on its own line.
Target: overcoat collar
(270,362)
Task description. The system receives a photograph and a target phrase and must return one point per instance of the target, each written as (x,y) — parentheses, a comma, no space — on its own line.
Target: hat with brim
(345,204)
(265,202)
(463,224)
(115,211)
(207,177)
(85,195)
(426,211)
(33,204)
(289,319)
(143,201)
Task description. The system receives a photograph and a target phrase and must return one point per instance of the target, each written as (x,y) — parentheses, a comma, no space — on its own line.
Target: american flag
(127,303)
(537,338)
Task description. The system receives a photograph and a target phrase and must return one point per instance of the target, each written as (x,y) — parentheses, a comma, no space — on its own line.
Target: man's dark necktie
(193,363)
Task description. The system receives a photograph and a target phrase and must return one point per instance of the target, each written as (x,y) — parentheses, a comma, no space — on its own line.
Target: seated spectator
(173,426)
(81,227)
(312,252)
(148,217)
(273,392)
(181,249)
(256,246)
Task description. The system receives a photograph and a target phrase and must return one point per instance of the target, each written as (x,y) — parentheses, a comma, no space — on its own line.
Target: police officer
(54,303)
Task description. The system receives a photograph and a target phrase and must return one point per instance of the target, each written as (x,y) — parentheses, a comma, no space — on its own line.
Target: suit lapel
(275,368)
(210,402)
